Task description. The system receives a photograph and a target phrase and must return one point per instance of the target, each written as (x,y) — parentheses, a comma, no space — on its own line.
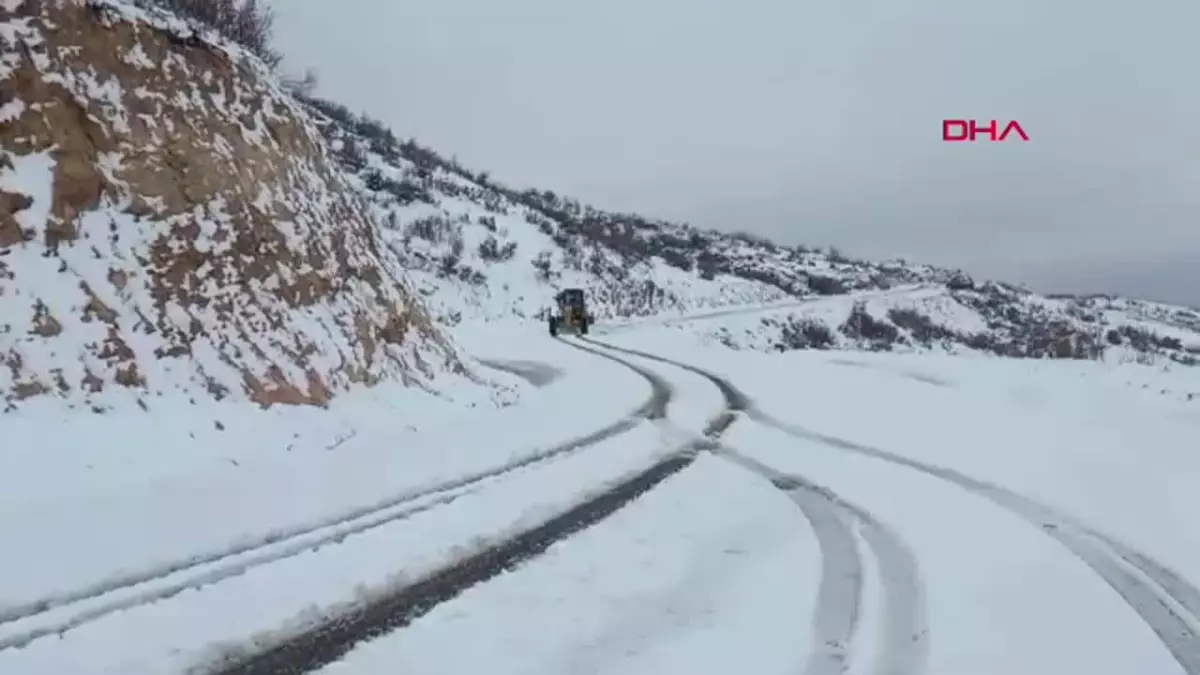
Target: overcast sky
(813,121)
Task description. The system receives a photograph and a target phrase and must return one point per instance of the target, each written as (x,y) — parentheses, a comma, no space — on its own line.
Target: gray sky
(813,121)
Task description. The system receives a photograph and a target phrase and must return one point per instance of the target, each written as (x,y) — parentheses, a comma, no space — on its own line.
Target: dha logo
(954,131)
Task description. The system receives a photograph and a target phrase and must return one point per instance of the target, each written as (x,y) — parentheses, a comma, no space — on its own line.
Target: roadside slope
(175,230)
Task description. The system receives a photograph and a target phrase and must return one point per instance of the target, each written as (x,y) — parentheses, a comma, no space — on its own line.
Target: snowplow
(572,315)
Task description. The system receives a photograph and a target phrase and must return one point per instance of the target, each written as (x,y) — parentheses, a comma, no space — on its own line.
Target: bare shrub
(248,23)
(823,285)
(805,334)
(490,250)
(863,326)
(543,266)
(434,229)
(922,328)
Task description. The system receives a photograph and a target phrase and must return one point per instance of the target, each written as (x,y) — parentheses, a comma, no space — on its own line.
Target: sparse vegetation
(433,229)
(610,245)
(921,327)
(247,22)
(804,334)
(960,281)
(544,267)
(875,333)
(823,285)
(490,250)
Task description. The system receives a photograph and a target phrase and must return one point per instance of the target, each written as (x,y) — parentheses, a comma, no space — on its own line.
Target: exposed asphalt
(331,639)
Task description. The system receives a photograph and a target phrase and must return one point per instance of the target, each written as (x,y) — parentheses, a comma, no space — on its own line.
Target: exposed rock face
(171,220)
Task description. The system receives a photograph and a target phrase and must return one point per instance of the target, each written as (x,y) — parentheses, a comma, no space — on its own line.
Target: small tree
(248,23)
(374,180)
(490,250)
(454,256)
(543,266)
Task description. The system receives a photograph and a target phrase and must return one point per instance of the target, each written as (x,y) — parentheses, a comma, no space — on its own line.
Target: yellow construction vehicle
(572,313)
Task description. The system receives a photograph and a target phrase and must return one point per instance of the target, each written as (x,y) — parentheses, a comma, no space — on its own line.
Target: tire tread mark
(332,639)
(653,408)
(839,596)
(1099,552)
(905,630)
(293,548)
(1183,591)
(660,391)
(906,635)
(1175,630)
(535,373)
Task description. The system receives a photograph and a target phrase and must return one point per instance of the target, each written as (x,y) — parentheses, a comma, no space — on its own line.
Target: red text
(967,130)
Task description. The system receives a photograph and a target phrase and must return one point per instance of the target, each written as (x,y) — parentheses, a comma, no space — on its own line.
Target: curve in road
(904,641)
(56,614)
(1167,602)
(331,639)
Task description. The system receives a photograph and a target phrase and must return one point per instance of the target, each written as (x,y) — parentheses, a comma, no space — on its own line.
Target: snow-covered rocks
(171,223)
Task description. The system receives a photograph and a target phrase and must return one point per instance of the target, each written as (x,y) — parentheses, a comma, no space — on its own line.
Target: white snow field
(864,513)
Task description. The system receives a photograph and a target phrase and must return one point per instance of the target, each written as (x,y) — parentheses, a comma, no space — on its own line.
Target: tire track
(839,596)
(906,629)
(534,372)
(1165,600)
(105,605)
(56,614)
(656,407)
(333,637)
(904,638)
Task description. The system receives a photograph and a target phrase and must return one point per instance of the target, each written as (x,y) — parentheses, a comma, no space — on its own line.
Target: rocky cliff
(171,223)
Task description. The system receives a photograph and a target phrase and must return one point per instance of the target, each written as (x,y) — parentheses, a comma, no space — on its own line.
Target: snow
(132,504)
(670,584)
(1002,597)
(826,528)
(145,296)
(95,534)
(1070,433)
(31,175)
(1084,438)
(303,583)
(766,326)
(716,568)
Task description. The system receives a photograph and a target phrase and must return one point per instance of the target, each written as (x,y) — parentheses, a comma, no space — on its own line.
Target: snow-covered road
(659,506)
(1167,604)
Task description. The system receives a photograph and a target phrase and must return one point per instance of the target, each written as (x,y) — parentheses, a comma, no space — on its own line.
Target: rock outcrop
(171,222)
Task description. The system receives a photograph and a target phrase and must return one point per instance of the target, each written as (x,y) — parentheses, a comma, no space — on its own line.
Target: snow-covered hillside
(478,250)
(932,317)
(170,232)
(172,227)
